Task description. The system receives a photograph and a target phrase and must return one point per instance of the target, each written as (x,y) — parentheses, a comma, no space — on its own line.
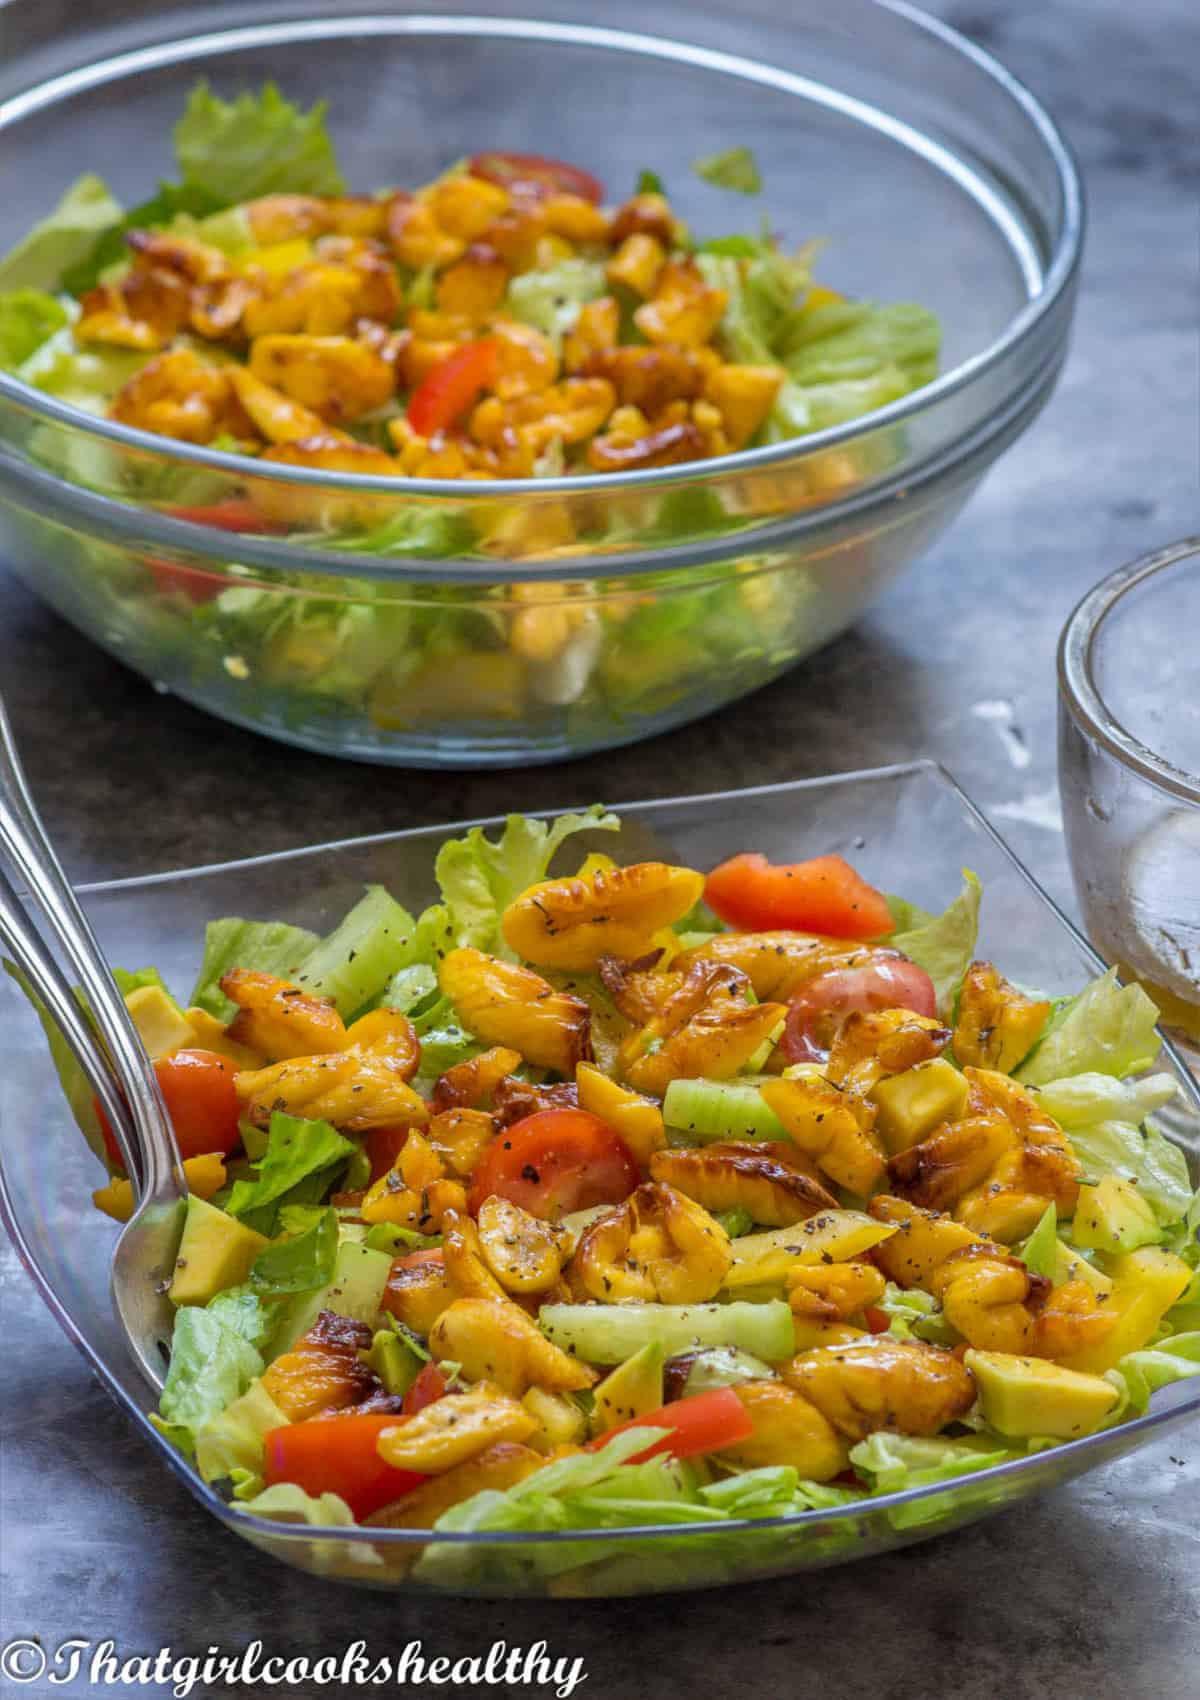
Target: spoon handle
(24,840)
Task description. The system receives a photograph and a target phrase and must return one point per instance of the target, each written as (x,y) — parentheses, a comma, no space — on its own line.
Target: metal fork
(111,1055)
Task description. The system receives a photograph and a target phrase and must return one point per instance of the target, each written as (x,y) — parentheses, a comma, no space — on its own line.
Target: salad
(648,1195)
(509,318)
(500,321)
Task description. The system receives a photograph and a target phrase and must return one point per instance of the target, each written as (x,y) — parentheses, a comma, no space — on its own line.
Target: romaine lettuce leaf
(852,341)
(86,377)
(255,144)
(298,1262)
(287,1503)
(302,1160)
(1101,1115)
(1140,1374)
(944,946)
(479,878)
(63,238)
(273,947)
(212,1364)
(916,1313)
(1082,1100)
(241,1310)
(1107,1029)
(28,318)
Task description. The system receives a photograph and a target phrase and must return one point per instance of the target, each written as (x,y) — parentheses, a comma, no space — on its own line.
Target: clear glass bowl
(538,620)
(1129,773)
(908,828)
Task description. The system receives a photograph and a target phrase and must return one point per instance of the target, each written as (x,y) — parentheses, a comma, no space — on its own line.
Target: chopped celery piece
(724,1366)
(608,1334)
(720,1109)
(354,964)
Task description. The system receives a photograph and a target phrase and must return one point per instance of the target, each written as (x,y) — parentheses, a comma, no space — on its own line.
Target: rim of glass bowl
(1055,278)
(1076,676)
(264,1528)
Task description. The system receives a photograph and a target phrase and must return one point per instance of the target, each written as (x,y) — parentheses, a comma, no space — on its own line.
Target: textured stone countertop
(1092,1593)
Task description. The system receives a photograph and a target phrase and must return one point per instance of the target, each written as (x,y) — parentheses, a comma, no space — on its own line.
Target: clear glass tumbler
(1129,772)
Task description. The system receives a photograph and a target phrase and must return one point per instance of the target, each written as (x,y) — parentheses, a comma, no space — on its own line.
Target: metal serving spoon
(111,1054)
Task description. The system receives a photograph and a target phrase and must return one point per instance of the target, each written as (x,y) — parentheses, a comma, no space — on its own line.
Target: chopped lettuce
(409,987)
(1039,1252)
(300,1261)
(85,377)
(255,144)
(478,879)
(1140,1374)
(549,298)
(1107,1029)
(735,168)
(63,238)
(945,945)
(241,1310)
(302,1160)
(212,1364)
(272,947)
(914,1312)
(1082,1100)
(851,341)
(111,248)
(649,183)
(28,318)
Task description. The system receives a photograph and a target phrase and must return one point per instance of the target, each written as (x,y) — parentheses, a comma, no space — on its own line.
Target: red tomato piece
(234,513)
(706,1422)
(429,1386)
(337,1454)
(383,1145)
(202,1102)
(529,176)
(453,386)
(818,1009)
(196,583)
(877,1321)
(824,895)
(553,1162)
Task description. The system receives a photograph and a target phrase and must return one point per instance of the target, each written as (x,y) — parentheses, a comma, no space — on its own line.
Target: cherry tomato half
(202,1102)
(235,513)
(553,1162)
(453,386)
(532,177)
(382,1146)
(425,1390)
(823,895)
(818,1009)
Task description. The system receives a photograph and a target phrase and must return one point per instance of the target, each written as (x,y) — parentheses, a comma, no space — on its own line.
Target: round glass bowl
(1129,772)
(499,623)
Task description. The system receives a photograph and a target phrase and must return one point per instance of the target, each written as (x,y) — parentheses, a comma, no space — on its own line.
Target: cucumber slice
(608,1334)
(707,1110)
(354,964)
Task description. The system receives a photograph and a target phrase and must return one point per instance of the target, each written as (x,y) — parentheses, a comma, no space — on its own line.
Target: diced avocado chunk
(1113,1216)
(394,1361)
(632,1389)
(215,1252)
(161,1024)
(1024,1397)
(359,1278)
(234,1439)
(912,1104)
(1068,1265)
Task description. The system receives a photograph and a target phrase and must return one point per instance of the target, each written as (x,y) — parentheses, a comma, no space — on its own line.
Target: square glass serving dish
(909,829)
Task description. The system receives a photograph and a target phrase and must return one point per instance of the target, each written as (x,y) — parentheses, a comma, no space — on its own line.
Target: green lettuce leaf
(1107,1029)
(287,1503)
(302,1160)
(735,168)
(63,238)
(853,341)
(255,144)
(945,946)
(1140,1374)
(241,1310)
(299,1261)
(111,247)
(916,1313)
(273,947)
(1101,1114)
(28,318)
(649,183)
(1039,1253)
(478,879)
(85,377)
(212,1364)
(549,299)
